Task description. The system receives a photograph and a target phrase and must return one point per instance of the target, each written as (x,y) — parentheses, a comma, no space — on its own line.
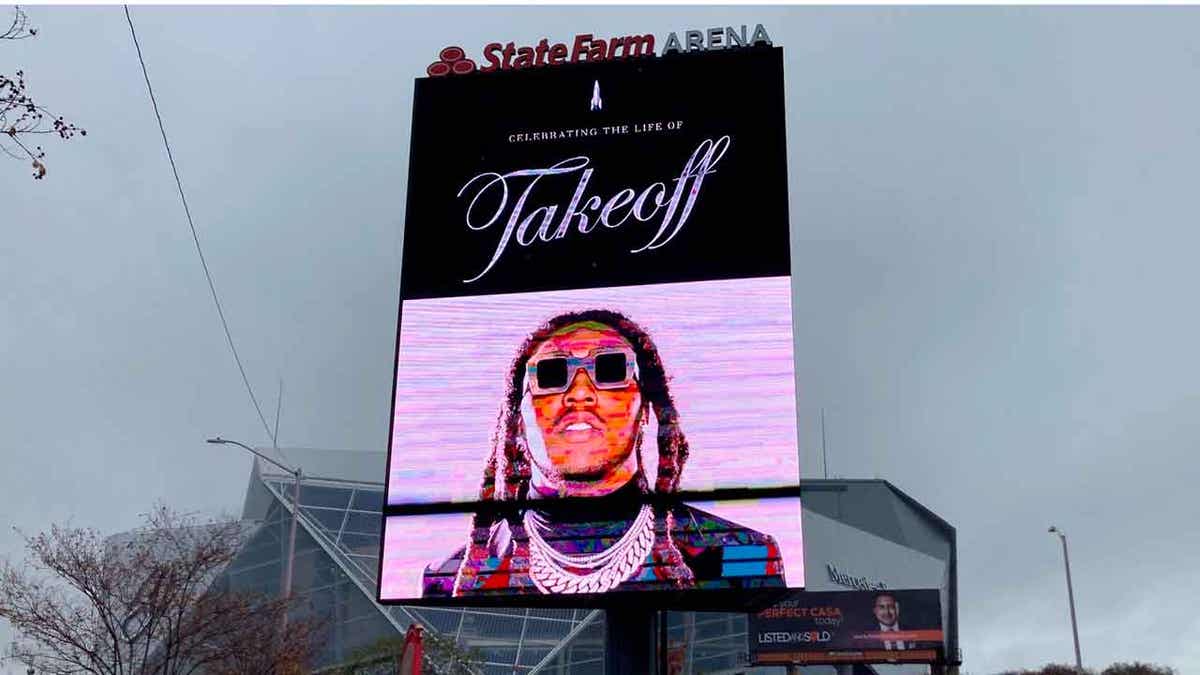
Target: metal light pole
(297,474)
(1070,595)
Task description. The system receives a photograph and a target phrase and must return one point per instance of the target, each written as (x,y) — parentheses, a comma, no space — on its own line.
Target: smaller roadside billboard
(880,626)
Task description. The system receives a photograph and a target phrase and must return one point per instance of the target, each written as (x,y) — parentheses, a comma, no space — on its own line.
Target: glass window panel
(531,656)
(258,553)
(504,655)
(368,500)
(260,580)
(363,544)
(589,667)
(491,626)
(542,629)
(711,629)
(356,605)
(444,621)
(363,522)
(330,519)
(560,614)
(352,636)
(369,564)
(320,495)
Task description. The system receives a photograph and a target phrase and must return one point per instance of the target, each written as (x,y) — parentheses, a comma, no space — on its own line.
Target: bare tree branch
(149,602)
(20,115)
(20,28)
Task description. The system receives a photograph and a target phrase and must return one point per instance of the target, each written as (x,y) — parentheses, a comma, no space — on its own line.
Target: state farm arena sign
(587,47)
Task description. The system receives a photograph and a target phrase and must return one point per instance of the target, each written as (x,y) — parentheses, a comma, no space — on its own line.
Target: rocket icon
(596,102)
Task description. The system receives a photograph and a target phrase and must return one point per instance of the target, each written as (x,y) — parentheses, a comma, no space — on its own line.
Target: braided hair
(508,470)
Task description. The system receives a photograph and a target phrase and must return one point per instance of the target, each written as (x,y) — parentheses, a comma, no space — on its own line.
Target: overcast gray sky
(994,228)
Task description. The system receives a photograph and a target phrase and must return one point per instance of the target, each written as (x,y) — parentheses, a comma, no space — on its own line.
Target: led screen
(724,349)
(595,336)
(727,545)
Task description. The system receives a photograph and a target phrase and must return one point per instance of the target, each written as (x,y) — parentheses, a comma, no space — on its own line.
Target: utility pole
(824,456)
(1070,595)
(298,475)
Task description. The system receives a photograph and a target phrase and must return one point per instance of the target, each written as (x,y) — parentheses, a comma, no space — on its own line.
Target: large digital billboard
(594,360)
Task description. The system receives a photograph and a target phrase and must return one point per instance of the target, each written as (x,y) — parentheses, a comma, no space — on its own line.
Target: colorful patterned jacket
(715,554)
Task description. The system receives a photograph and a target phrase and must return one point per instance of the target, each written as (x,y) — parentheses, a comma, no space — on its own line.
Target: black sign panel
(604,174)
(896,626)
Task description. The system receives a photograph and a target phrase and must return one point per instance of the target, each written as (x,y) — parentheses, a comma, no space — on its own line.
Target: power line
(192,225)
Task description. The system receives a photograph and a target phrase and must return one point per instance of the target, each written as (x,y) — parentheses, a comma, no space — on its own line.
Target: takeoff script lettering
(490,203)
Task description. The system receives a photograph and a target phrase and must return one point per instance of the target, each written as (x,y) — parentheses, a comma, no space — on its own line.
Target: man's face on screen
(588,430)
(886,610)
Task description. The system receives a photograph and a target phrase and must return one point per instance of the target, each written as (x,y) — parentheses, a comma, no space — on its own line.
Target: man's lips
(579,422)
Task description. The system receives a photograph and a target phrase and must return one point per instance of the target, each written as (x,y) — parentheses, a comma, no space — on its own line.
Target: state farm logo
(587,47)
(451,60)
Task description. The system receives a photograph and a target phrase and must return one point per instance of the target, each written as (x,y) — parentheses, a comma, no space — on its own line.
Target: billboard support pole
(630,640)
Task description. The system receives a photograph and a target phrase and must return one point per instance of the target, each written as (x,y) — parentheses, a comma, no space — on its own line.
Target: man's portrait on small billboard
(592,406)
(900,620)
(886,610)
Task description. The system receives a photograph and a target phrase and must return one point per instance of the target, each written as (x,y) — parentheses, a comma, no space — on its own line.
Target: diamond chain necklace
(608,568)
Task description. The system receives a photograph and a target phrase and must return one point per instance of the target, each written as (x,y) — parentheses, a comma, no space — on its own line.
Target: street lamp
(1070,595)
(297,474)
